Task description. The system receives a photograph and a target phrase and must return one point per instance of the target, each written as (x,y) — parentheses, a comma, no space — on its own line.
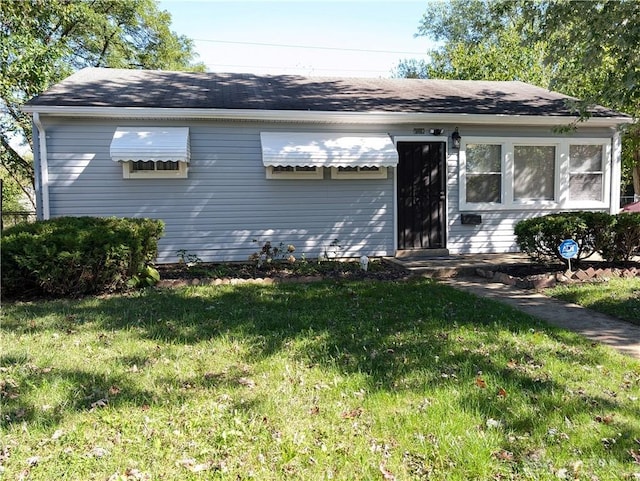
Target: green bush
(622,241)
(540,237)
(72,256)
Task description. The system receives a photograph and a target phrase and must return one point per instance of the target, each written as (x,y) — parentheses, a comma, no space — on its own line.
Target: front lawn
(330,380)
(617,297)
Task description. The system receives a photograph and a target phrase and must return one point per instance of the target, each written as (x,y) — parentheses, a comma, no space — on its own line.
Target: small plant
(190,260)
(332,251)
(269,254)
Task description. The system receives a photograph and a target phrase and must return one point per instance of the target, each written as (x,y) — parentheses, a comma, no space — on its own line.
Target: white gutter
(44,167)
(320,116)
(616,171)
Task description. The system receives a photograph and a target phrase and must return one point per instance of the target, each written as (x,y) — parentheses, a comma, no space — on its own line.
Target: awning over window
(160,144)
(327,149)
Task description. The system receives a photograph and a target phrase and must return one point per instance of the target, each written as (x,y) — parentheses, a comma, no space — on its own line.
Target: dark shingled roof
(96,87)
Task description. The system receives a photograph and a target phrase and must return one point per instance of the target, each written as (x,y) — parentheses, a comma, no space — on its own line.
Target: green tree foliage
(479,40)
(586,49)
(43,41)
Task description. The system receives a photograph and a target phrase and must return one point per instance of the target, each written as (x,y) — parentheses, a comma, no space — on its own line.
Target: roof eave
(319,116)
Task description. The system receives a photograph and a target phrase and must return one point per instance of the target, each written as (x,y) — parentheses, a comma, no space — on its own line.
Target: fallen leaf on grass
(503,455)
(314,410)
(130,474)
(245,381)
(354,413)
(481,383)
(608,419)
(97,452)
(635,454)
(386,474)
(193,466)
(100,403)
(502,393)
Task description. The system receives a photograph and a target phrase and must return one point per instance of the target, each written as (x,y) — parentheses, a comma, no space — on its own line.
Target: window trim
(463,165)
(604,170)
(129,173)
(381,173)
(318,173)
(561,174)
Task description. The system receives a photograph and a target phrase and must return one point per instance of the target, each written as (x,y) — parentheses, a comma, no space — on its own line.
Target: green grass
(618,297)
(330,380)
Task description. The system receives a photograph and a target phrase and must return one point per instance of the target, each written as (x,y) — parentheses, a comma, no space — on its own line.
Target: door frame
(425,139)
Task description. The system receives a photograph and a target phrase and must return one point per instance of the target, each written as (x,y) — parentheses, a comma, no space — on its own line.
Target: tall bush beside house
(622,241)
(540,237)
(72,256)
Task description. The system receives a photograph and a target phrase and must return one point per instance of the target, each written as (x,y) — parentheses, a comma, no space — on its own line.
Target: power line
(282,45)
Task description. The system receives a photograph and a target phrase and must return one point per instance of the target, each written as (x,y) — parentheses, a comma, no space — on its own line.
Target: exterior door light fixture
(455,139)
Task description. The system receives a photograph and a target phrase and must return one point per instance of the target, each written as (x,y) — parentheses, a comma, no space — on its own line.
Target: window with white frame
(586,172)
(534,173)
(151,152)
(147,169)
(359,172)
(294,172)
(534,168)
(483,173)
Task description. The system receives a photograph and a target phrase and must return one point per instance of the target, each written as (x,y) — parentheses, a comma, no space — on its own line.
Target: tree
(43,41)
(589,50)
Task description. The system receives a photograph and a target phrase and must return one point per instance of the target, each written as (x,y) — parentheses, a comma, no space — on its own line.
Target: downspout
(616,171)
(43,167)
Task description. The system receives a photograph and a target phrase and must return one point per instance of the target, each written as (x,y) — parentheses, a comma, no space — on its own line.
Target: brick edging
(544,281)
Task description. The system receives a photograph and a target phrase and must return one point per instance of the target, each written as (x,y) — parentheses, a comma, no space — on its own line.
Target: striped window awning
(304,149)
(158,144)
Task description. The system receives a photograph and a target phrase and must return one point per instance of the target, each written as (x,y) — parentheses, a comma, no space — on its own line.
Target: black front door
(421,195)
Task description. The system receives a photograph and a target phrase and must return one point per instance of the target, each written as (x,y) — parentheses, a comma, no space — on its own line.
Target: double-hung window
(586,172)
(483,173)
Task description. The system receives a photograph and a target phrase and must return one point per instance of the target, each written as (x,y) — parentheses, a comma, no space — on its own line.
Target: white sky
(358,38)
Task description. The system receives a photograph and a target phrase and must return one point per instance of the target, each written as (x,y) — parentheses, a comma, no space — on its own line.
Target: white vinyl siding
(226,201)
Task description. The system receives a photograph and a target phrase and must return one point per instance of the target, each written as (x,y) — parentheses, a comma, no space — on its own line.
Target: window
(586,172)
(483,173)
(305,155)
(151,152)
(147,169)
(534,172)
(359,172)
(294,172)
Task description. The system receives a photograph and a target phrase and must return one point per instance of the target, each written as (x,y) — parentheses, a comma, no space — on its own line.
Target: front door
(421,195)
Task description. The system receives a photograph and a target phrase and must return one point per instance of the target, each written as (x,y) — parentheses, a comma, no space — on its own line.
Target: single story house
(382,167)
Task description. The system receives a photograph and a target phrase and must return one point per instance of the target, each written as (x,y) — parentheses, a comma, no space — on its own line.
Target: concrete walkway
(601,328)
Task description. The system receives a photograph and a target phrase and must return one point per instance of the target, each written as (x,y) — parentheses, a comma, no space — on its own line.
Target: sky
(356,38)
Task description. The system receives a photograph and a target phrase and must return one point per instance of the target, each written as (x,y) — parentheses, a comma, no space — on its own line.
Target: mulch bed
(175,275)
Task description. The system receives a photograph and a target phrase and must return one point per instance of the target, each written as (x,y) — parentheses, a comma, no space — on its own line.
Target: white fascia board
(320,116)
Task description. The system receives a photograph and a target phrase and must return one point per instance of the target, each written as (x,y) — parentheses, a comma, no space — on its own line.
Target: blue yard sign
(568,249)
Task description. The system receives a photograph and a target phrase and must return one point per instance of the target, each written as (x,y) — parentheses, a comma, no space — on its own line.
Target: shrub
(622,241)
(540,237)
(72,256)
